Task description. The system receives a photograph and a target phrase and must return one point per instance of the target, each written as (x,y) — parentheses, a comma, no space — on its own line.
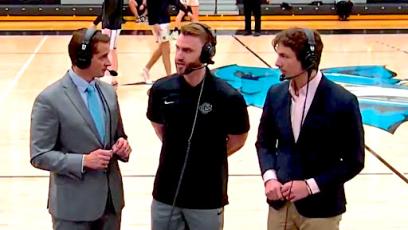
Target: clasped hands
(99,159)
(291,191)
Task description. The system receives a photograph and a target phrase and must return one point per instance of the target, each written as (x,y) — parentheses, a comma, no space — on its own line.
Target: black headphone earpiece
(208,49)
(309,59)
(84,54)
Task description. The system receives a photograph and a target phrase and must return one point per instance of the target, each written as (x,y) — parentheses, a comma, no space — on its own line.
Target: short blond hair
(200,30)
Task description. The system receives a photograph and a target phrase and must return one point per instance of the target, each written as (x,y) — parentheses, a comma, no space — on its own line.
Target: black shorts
(159,13)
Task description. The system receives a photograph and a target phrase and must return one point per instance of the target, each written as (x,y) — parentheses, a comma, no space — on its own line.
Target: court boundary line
(392,47)
(388,165)
(251,51)
(9,88)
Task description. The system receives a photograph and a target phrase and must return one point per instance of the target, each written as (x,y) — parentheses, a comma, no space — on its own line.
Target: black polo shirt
(158,11)
(222,111)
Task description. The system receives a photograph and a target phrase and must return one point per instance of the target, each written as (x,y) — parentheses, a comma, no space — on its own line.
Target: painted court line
(7,90)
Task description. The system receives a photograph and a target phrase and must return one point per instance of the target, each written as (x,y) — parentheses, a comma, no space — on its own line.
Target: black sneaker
(246,33)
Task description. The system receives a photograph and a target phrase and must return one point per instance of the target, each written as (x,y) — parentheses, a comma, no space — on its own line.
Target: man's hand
(122,148)
(273,190)
(98,159)
(295,190)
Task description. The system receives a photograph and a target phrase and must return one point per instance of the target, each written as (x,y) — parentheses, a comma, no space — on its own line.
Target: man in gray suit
(77,135)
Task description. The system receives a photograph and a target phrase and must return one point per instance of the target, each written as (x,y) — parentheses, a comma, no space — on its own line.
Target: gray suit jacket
(62,130)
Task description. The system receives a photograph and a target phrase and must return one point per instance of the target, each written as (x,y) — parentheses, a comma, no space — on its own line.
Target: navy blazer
(330,147)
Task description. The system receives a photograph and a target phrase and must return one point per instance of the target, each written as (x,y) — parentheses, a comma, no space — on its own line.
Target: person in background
(112,20)
(252,6)
(343,9)
(139,9)
(159,20)
(188,8)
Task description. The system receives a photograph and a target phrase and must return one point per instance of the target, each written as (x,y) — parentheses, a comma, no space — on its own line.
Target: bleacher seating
(207,7)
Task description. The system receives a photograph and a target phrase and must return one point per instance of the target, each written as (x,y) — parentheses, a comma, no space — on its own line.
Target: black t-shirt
(222,111)
(158,11)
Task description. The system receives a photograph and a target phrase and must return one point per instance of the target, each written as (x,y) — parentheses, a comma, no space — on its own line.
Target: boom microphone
(284,77)
(192,69)
(113,72)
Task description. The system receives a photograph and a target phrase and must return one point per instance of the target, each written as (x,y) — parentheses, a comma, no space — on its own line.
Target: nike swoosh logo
(168,102)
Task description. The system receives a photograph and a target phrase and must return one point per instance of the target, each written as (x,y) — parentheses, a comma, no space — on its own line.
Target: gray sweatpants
(185,219)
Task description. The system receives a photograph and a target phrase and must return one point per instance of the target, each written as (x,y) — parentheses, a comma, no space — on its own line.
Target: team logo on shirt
(205,108)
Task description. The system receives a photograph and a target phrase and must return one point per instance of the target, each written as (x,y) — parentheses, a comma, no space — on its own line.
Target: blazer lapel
(72,93)
(284,116)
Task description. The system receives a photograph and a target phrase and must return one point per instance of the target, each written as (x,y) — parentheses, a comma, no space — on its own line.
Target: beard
(188,67)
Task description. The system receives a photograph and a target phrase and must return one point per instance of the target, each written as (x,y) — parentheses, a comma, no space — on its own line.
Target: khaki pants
(295,221)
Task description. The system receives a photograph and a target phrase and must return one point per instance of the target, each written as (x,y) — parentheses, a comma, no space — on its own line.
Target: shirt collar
(79,82)
(313,84)
(207,76)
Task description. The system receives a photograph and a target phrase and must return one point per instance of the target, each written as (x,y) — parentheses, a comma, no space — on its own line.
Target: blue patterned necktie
(95,110)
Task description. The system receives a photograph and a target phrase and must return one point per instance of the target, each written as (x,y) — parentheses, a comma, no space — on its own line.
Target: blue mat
(383,101)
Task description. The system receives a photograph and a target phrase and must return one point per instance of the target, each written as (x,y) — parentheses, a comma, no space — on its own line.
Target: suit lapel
(284,117)
(72,93)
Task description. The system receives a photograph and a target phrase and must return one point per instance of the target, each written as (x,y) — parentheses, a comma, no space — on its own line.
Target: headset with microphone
(307,57)
(284,77)
(190,69)
(84,54)
(207,51)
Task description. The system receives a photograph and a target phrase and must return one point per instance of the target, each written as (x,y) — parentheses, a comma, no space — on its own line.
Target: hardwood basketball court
(377,197)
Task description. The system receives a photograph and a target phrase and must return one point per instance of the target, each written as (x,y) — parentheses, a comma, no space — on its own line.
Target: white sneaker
(146,76)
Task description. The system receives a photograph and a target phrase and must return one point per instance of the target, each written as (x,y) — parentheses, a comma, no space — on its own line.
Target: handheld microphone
(113,72)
